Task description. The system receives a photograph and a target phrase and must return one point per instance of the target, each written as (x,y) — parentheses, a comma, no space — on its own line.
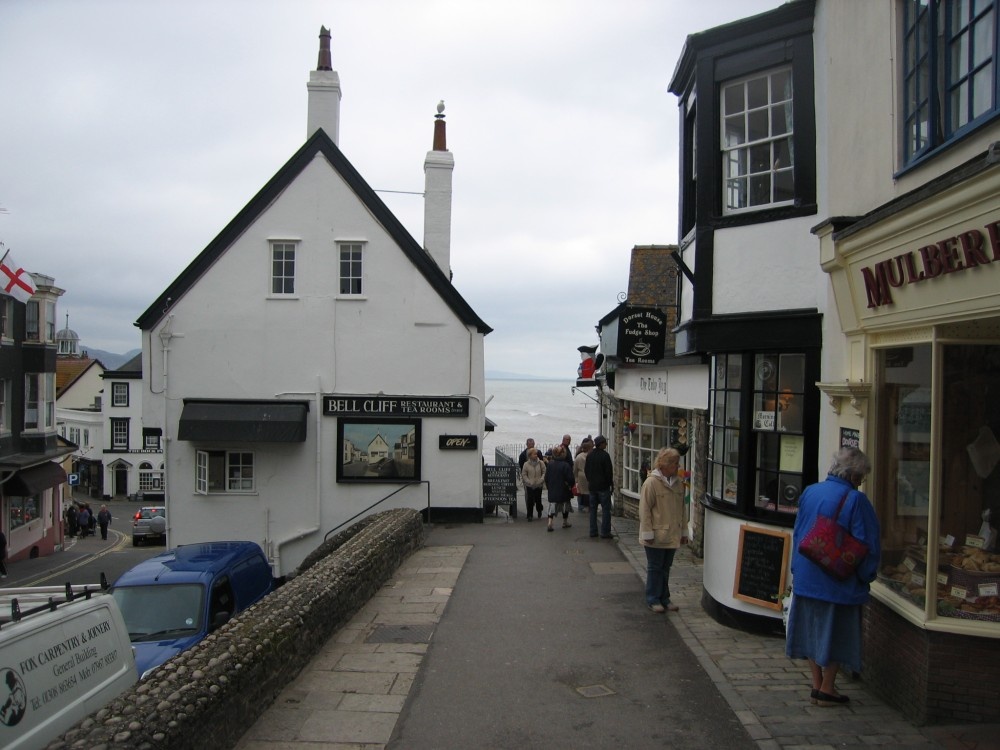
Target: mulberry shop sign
(641,332)
(353,405)
(966,251)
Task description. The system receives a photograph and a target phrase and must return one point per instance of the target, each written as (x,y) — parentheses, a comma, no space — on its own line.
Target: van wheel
(135,542)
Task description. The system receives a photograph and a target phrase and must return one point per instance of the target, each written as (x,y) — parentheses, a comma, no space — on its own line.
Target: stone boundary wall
(209,695)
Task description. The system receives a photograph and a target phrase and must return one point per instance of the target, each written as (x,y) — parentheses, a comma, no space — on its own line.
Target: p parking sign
(74,479)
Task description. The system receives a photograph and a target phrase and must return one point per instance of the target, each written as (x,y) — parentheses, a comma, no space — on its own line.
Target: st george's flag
(14,280)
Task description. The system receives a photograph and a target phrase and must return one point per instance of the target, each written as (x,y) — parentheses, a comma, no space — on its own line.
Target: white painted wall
(232,340)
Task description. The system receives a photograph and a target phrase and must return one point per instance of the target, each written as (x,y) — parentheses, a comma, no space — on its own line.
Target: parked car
(61,660)
(174,599)
(149,524)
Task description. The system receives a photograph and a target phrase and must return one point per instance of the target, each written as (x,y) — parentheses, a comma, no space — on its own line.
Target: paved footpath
(501,635)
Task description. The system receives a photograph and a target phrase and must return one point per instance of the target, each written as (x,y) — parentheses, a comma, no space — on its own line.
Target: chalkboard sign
(761,566)
(499,485)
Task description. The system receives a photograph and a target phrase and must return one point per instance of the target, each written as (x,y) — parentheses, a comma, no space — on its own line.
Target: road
(83,560)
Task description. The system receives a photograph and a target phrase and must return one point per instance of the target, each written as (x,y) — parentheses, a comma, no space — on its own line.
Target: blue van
(174,599)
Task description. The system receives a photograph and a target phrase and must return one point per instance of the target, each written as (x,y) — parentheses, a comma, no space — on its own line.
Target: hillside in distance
(110,360)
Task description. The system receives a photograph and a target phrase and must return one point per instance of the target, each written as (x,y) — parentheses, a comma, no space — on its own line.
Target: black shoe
(825,699)
(814,696)
(607,536)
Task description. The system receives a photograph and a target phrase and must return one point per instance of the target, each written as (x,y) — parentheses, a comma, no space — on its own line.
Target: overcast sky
(132,132)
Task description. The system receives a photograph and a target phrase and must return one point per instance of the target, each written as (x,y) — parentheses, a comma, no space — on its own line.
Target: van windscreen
(161,611)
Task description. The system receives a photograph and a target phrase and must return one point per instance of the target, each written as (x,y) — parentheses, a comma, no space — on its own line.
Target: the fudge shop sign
(967,250)
(641,332)
(353,405)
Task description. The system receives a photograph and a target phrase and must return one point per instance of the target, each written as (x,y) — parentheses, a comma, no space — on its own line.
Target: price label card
(917,580)
(948,541)
(974,540)
(988,589)
(942,578)
(909,564)
(959,592)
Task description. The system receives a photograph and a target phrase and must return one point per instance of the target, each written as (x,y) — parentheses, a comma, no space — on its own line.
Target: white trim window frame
(119,394)
(757,141)
(6,318)
(40,401)
(119,434)
(283,257)
(350,256)
(224,472)
(5,405)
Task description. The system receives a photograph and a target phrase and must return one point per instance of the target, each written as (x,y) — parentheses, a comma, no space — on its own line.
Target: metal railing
(379,502)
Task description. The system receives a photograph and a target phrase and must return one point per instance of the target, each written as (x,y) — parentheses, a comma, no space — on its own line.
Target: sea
(541,409)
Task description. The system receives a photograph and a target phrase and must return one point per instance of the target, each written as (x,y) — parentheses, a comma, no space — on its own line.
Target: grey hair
(850,464)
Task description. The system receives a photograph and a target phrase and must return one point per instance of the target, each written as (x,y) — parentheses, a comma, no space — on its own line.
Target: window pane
(735,131)
(982,91)
(757,92)
(733,98)
(758,127)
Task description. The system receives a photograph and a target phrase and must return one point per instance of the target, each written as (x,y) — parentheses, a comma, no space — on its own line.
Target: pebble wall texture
(208,696)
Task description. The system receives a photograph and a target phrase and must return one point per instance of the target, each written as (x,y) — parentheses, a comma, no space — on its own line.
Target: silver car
(148,524)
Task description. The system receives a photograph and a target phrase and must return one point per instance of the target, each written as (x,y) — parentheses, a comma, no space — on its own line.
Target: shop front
(917,290)
(660,408)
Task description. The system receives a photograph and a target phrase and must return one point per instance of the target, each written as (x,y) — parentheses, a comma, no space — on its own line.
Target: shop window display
(959,484)
(646,429)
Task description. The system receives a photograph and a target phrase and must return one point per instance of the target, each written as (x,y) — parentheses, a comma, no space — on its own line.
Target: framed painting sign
(378,450)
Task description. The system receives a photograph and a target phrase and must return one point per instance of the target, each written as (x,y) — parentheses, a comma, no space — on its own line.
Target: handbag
(831,546)
(575,491)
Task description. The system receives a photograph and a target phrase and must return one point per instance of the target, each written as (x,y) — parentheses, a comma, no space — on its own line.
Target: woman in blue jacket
(824,624)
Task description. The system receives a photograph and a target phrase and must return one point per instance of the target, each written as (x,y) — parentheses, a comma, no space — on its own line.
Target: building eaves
(318,143)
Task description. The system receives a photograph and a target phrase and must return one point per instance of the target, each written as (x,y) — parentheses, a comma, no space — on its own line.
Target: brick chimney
(438,168)
(324,93)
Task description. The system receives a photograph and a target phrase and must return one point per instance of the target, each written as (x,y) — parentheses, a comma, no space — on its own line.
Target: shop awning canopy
(34,480)
(244,421)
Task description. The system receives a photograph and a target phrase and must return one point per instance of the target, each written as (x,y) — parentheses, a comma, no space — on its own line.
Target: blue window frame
(949,75)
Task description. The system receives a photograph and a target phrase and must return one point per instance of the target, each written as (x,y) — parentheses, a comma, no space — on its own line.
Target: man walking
(600,476)
(104,520)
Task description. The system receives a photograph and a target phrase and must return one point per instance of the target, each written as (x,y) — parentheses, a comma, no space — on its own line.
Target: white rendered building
(312,323)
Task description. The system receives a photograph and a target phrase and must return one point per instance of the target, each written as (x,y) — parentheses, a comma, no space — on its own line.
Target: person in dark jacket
(104,520)
(824,623)
(83,520)
(600,477)
(559,482)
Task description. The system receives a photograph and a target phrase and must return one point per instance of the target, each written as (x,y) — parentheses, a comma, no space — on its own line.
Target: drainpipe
(295,536)
(166,336)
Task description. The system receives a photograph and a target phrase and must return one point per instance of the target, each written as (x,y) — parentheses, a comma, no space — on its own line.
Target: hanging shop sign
(353,405)
(458,442)
(969,249)
(641,333)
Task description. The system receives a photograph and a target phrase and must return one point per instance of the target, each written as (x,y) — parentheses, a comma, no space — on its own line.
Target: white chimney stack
(438,168)
(324,93)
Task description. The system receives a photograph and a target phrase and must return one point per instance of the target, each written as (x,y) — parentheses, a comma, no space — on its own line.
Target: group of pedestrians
(588,476)
(81,521)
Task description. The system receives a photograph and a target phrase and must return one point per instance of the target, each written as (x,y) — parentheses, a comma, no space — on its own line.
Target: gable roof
(71,369)
(318,143)
(131,369)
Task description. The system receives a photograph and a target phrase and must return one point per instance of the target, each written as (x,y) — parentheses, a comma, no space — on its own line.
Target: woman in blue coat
(824,624)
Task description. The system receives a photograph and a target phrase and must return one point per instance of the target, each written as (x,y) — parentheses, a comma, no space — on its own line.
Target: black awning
(490,425)
(34,480)
(244,421)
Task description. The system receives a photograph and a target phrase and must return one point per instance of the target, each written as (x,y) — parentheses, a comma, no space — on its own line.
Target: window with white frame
(86,438)
(6,317)
(32,330)
(74,435)
(50,321)
(150,479)
(350,267)
(119,394)
(119,434)
(949,78)
(282,268)
(40,401)
(224,471)
(648,428)
(151,438)
(757,148)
